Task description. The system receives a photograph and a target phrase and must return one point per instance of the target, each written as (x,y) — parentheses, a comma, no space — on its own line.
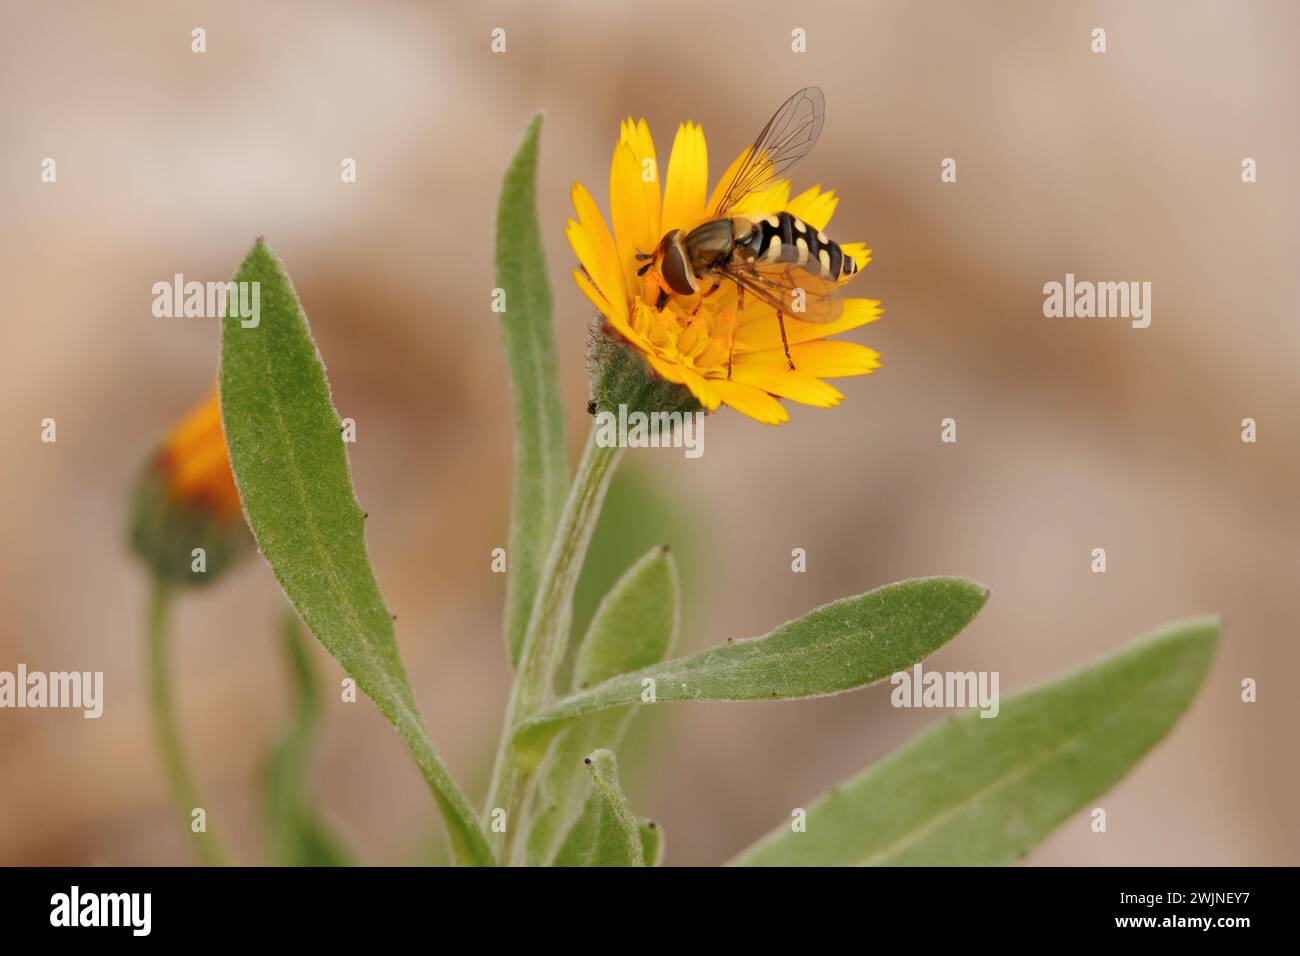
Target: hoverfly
(775,257)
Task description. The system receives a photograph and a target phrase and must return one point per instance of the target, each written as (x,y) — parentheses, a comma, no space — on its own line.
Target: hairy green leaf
(981,791)
(299,835)
(541,468)
(289,463)
(607,834)
(639,513)
(635,626)
(845,644)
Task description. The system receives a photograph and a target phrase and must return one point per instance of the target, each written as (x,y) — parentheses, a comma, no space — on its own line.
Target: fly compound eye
(676,273)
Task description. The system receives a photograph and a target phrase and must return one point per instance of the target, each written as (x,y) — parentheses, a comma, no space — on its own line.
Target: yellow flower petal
(598,255)
(687,181)
(616,317)
(674,372)
(669,370)
(814,206)
(835,359)
(633,201)
(759,331)
(704,391)
(591,292)
(637,135)
(750,401)
(580,242)
(798,386)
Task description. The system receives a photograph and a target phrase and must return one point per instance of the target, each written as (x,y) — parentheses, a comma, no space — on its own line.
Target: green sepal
(620,376)
(165,531)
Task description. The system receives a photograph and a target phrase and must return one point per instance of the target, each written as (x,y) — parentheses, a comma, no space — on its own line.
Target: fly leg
(740,307)
(780,320)
(699,305)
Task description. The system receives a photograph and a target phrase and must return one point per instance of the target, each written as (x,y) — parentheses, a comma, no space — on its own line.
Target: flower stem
(547,637)
(184,792)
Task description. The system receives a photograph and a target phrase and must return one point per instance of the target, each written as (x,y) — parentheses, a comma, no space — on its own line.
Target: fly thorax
(708,245)
(747,239)
(743,230)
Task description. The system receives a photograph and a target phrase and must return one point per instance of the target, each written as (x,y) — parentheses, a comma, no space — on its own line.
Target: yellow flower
(692,339)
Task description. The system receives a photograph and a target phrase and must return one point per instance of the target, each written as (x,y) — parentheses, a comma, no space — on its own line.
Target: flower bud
(186,521)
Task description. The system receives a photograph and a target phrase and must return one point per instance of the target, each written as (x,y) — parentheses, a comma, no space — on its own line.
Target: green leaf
(607,834)
(845,644)
(283,435)
(639,514)
(978,791)
(652,843)
(299,835)
(541,468)
(635,626)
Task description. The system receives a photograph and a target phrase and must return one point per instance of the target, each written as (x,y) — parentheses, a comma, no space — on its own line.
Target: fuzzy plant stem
(184,792)
(547,637)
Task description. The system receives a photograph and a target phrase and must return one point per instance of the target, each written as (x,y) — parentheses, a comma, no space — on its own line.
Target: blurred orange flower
(196,464)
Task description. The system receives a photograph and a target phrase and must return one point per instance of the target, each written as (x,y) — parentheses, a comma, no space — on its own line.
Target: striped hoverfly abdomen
(782,238)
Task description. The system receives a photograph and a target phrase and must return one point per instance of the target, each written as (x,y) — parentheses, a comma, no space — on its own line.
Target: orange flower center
(695,332)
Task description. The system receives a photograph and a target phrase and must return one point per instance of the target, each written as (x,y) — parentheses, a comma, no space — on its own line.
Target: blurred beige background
(1073,434)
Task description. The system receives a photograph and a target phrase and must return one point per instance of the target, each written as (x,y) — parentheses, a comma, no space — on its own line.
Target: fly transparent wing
(788,137)
(788,288)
